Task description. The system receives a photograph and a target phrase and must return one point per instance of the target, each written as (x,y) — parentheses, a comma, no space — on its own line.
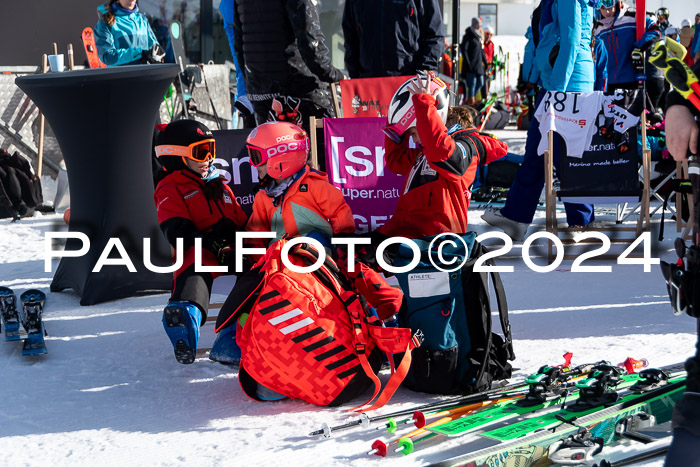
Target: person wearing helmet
(295,200)
(617,29)
(662,19)
(439,163)
(192,202)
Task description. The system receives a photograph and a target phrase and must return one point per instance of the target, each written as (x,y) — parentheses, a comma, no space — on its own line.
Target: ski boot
(32,310)
(596,391)
(181,321)
(225,349)
(8,311)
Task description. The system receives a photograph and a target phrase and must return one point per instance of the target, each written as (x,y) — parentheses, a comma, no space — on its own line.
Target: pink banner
(355,164)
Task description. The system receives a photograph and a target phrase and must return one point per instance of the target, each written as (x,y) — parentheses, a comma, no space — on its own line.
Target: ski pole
(676,72)
(364,420)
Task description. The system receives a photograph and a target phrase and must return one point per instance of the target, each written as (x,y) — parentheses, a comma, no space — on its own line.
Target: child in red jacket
(296,200)
(439,162)
(193,202)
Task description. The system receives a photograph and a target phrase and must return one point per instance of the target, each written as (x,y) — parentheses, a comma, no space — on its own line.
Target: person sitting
(193,202)
(123,35)
(438,161)
(295,200)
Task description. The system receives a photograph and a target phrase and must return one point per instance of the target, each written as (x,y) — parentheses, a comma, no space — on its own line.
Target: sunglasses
(201,151)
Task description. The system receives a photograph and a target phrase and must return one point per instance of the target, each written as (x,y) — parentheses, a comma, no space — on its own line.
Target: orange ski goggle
(201,151)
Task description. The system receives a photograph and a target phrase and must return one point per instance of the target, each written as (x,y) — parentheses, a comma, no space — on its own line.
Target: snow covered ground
(110,392)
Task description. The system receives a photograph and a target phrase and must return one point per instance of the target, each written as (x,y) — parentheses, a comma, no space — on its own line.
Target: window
(488,12)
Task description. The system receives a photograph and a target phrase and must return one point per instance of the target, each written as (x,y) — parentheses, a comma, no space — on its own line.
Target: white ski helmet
(488,30)
(402,115)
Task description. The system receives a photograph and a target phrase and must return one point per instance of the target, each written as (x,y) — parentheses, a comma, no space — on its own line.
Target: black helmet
(178,135)
(663,11)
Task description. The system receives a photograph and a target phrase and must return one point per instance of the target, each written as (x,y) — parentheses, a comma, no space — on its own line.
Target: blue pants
(474,83)
(525,192)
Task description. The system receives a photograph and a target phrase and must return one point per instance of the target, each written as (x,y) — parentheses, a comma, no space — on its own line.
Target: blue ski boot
(225,349)
(181,321)
(8,311)
(32,311)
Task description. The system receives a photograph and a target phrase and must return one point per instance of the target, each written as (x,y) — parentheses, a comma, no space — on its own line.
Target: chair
(615,183)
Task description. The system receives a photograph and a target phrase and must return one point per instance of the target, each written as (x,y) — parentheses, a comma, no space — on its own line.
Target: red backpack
(309,336)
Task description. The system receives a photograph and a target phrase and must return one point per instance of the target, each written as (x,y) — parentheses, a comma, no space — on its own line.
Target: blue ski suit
(619,35)
(563,54)
(125,41)
(565,62)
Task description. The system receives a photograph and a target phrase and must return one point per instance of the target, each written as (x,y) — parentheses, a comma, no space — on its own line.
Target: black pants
(193,287)
(295,109)
(241,299)
(656,90)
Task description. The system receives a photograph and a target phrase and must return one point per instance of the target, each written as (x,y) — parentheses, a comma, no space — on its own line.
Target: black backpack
(460,353)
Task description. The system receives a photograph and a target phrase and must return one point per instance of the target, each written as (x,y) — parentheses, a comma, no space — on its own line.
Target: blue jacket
(227,11)
(695,43)
(601,66)
(563,53)
(530,72)
(124,42)
(619,35)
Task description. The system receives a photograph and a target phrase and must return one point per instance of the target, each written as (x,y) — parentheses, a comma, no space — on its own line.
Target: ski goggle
(259,156)
(662,12)
(201,151)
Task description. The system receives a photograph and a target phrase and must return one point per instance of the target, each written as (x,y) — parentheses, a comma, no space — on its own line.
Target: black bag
(460,354)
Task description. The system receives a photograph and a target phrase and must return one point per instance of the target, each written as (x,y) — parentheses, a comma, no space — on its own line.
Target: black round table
(103,120)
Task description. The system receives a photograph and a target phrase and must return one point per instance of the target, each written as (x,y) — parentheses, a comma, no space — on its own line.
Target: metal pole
(455,48)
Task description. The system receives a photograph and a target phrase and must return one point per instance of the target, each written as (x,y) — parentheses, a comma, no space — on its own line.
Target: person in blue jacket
(617,28)
(123,35)
(242,103)
(564,59)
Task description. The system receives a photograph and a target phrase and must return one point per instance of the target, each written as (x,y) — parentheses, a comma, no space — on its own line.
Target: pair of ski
(527,441)
(24,322)
(586,388)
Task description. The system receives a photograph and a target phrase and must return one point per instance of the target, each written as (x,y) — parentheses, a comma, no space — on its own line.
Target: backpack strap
(503,312)
(391,340)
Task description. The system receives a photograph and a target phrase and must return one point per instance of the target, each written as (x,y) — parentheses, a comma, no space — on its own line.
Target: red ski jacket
(184,212)
(439,176)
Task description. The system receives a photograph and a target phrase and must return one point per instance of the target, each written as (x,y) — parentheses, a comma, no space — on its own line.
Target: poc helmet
(402,114)
(182,140)
(282,146)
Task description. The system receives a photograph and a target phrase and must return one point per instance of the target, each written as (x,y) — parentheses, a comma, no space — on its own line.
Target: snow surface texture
(110,392)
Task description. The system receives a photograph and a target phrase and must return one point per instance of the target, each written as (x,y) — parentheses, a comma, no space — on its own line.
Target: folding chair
(627,190)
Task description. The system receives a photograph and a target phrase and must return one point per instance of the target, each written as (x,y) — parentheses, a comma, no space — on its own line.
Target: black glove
(155,54)
(219,240)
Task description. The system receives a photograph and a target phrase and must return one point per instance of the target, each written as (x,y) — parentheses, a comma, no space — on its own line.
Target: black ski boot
(8,311)
(32,310)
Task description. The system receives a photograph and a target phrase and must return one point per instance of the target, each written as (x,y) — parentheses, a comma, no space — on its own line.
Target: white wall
(678,9)
(513,16)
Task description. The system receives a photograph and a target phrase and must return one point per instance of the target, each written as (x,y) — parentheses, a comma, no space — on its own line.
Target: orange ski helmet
(282,146)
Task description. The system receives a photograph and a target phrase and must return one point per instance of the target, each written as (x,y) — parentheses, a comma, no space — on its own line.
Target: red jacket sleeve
(399,157)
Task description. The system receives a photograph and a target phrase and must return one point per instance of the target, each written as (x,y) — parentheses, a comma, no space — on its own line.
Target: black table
(103,120)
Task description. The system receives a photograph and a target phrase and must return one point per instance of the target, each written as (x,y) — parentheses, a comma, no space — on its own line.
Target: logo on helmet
(286,147)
